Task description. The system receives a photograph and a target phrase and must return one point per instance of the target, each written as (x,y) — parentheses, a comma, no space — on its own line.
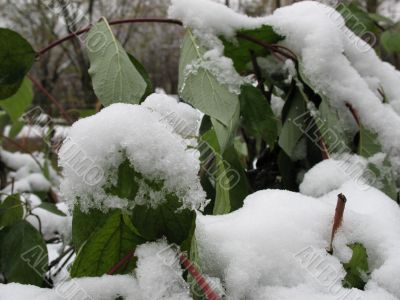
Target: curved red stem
(125,21)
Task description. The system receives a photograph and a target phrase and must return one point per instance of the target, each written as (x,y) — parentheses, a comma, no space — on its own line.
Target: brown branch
(42,89)
(22,148)
(354,113)
(337,220)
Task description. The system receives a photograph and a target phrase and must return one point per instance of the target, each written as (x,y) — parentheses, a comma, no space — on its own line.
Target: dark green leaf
(11,210)
(239,50)
(111,242)
(24,256)
(257,116)
(85,224)
(167,219)
(357,268)
(16,59)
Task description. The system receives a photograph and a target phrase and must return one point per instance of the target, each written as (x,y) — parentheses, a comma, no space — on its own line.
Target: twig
(337,220)
(354,113)
(273,48)
(39,222)
(43,90)
(64,263)
(58,259)
(22,148)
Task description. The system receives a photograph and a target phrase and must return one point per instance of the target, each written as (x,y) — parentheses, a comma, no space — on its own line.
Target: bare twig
(57,103)
(337,220)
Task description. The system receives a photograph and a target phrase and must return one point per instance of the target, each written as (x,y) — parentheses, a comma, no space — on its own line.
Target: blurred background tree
(63,70)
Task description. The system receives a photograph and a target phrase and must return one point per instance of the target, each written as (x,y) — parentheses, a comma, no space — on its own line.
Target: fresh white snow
(97,145)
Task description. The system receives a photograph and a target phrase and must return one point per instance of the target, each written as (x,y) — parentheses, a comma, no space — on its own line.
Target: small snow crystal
(99,144)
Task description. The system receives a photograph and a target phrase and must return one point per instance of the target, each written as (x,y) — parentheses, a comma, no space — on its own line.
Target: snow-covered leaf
(240,50)
(114,76)
(200,87)
(16,58)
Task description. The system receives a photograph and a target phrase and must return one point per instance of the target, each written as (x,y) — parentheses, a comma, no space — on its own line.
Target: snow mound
(97,146)
(275,246)
(158,277)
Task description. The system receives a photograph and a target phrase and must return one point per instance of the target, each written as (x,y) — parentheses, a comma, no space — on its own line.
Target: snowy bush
(273,176)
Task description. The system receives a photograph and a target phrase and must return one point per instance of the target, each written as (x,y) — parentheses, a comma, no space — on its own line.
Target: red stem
(42,89)
(200,280)
(338,218)
(81,31)
(120,263)
(187,264)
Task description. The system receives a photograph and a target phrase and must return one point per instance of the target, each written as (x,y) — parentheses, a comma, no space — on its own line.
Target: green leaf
(114,77)
(368,144)
(356,268)
(16,105)
(294,120)
(16,59)
(390,39)
(24,256)
(139,67)
(358,20)
(106,247)
(258,118)
(4,120)
(201,88)
(227,174)
(15,129)
(51,208)
(330,128)
(167,219)
(85,224)
(11,210)
(239,50)
(225,134)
